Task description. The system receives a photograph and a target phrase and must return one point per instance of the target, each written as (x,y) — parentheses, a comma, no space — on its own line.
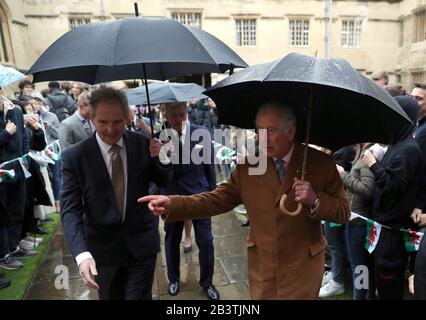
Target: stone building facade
(388,35)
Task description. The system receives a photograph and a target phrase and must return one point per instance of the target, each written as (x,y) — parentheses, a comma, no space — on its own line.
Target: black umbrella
(345,106)
(133,48)
(115,50)
(162,92)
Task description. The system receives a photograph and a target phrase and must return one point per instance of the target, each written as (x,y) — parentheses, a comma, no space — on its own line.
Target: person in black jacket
(13,144)
(60,103)
(114,239)
(35,187)
(394,193)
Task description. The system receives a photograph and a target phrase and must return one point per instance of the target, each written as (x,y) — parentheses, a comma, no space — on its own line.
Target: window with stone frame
(5,43)
(351,33)
(418,77)
(76,22)
(246,32)
(420,20)
(299,32)
(192,19)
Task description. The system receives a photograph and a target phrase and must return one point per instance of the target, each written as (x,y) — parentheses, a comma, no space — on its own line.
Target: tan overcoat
(285,254)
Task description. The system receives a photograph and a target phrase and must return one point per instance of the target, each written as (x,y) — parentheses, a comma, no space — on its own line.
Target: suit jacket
(71,131)
(285,254)
(192,178)
(89,210)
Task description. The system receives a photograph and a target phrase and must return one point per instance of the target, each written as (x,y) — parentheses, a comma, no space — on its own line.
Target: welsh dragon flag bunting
(6,175)
(373,235)
(53,151)
(224,153)
(412,240)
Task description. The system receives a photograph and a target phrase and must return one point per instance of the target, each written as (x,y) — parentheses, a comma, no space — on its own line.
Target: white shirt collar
(287,158)
(185,127)
(79,116)
(105,147)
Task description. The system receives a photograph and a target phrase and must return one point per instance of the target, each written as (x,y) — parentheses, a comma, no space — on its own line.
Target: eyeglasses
(418,98)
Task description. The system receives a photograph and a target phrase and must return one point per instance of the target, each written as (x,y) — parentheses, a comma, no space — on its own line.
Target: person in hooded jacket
(394,193)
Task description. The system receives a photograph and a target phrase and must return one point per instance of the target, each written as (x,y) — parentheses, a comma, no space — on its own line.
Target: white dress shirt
(287,158)
(107,156)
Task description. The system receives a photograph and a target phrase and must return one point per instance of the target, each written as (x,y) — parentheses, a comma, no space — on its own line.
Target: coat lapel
(96,160)
(131,161)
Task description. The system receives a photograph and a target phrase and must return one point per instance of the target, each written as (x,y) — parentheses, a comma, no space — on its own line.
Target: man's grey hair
(84,98)
(171,105)
(287,116)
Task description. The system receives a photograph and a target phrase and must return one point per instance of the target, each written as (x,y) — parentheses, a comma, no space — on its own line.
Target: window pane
(299,32)
(246,32)
(351,33)
(188,18)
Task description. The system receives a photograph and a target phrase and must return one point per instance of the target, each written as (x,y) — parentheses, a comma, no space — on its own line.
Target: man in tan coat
(285,253)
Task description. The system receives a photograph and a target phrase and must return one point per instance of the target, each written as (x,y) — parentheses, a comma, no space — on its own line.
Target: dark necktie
(279,167)
(117,178)
(86,125)
(180,148)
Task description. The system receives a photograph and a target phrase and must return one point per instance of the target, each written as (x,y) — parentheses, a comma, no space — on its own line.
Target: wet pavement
(230,277)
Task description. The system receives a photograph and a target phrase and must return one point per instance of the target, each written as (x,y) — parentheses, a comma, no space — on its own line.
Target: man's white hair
(286,114)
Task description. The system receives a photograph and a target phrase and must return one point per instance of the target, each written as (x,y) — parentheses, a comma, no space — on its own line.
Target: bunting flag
(373,235)
(25,165)
(6,175)
(334,225)
(53,151)
(224,153)
(41,159)
(412,240)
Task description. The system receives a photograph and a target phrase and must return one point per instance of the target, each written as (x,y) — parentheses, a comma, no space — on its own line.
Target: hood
(411,108)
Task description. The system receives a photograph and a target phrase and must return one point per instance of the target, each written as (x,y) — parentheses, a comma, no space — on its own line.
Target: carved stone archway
(6,53)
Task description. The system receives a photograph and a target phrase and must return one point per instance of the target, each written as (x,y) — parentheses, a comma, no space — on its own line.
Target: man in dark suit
(190,178)
(102,178)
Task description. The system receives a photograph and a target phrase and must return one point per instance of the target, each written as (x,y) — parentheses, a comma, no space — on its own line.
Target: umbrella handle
(305,157)
(288,212)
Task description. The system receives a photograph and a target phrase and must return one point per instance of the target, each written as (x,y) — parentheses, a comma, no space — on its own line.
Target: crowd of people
(384,183)
(110,173)
(30,121)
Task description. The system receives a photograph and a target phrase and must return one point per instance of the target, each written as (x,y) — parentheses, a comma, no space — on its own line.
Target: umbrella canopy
(162,92)
(347,107)
(9,75)
(115,50)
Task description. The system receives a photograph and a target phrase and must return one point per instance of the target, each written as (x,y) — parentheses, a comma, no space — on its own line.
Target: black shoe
(173,288)
(39,230)
(212,293)
(246,224)
(4,283)
(43,222)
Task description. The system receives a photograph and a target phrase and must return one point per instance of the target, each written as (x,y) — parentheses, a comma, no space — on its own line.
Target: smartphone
(31,116)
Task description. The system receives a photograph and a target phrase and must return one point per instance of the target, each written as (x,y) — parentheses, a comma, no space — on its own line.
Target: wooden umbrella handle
(288,212)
